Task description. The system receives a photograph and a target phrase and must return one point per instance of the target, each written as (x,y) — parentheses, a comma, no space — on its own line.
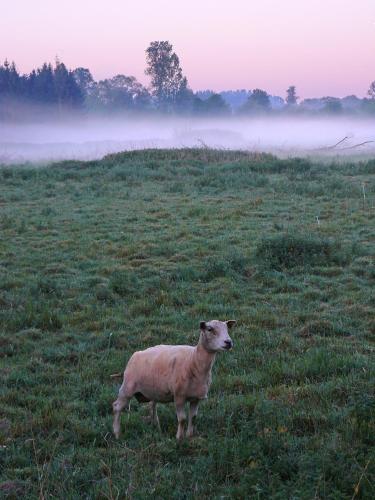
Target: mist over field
(92,137)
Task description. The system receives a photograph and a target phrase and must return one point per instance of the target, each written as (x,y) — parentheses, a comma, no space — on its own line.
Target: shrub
(103,294)
(288,251)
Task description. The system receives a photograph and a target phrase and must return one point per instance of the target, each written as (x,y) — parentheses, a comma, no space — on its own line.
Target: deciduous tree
(291,96)
(169,86)
(371,90)
(258,102)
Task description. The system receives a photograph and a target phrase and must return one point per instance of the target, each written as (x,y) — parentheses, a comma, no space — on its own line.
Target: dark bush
(103,294)
(47,286)
(288,251)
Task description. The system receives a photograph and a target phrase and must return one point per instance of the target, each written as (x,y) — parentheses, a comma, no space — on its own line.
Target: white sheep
(167,373)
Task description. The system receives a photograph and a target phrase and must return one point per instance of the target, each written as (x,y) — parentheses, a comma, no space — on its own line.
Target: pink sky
(324,47)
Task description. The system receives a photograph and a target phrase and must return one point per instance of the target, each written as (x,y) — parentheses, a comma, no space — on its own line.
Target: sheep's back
(157,370)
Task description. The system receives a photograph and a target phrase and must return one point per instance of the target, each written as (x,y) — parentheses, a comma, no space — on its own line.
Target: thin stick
(356,489)
(334,145)
(41,494)
(110,483)
(356,145)
(203,144)
(364,194)
(116,375)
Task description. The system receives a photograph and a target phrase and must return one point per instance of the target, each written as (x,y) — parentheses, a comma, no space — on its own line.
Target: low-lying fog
(92,138)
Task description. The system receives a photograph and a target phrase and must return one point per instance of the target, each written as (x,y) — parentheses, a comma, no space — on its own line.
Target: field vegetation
(102,258)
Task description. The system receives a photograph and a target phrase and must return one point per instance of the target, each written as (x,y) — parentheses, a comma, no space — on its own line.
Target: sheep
(173,373)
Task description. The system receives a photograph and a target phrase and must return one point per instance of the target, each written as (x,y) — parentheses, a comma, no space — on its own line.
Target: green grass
(102,258)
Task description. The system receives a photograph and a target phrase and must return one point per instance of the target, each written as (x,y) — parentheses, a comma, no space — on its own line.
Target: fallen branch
(356,489)
(326,148)
(203,144)
(356,145)
(116,375)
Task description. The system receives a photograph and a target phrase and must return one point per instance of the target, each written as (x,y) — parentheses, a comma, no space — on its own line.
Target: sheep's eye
(210,329)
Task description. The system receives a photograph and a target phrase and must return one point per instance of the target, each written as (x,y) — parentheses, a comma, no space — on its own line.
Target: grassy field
(103,258)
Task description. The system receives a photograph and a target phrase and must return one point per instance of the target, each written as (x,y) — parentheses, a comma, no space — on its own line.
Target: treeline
(45,85)
(64,90)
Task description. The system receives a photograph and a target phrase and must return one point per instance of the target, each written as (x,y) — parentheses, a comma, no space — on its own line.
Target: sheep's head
(215,336)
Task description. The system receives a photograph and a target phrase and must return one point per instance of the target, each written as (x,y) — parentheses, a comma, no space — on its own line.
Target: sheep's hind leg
(153,417)
(193,410)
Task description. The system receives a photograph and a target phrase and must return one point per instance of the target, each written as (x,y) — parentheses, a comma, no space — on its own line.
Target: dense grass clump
(323,328)
(291,250)
(99,259)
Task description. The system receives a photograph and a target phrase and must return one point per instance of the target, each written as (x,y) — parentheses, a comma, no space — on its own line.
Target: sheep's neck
(203,360)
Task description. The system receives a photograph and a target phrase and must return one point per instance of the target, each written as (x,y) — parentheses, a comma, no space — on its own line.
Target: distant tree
(368,105)
(68,93)
(10,80)
(276,102)
(291,96)
(198,105)
(122,93)
(235,98)
(42,85)
(312,105)
(351,103)
(204,94)
(332,105)
(214,106)
(30,85)
(84,80)
(258,102)
(4,78)
(371,91)
(168,85)
(184,98)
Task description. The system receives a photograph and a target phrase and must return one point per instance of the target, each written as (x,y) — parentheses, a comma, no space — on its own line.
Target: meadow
(102,258)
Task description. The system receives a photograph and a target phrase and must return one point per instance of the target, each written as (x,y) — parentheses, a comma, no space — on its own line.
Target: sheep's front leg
(154,415)
(192,414)
(181,417)
(120,403)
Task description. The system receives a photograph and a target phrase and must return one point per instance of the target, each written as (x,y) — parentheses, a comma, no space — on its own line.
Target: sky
(324,47)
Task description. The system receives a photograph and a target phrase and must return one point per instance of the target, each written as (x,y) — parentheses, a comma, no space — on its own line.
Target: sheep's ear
(231,323)
(202,325)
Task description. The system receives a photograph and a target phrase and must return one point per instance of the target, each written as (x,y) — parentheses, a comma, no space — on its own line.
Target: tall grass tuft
(292,250)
